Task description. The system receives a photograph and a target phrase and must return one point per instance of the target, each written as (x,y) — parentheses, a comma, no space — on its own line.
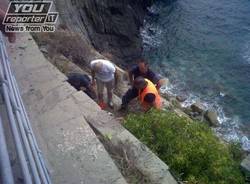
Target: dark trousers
(129,95)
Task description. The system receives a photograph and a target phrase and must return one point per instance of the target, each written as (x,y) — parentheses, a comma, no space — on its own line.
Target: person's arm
(156,79)
(93,77)
(131,75)
(116,77)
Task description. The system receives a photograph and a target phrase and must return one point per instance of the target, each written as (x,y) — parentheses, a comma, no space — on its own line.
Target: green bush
(191,150)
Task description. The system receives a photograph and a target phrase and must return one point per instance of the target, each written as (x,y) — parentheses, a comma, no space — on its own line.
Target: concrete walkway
(73,153)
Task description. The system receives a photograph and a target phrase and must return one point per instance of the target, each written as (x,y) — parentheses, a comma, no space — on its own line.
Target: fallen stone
(198,107)
(22,47)
(43,49)
(212,118)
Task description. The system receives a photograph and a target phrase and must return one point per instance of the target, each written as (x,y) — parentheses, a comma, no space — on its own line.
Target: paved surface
(72,151)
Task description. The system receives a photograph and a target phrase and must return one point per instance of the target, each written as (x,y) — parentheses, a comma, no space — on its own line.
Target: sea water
(203,47)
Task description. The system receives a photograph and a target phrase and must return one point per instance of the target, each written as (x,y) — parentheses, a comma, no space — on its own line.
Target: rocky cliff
(109,25)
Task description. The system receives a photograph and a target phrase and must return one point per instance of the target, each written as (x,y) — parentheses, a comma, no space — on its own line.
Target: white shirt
(107,71)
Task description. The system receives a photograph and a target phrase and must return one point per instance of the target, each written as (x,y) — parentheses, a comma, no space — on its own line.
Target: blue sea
(203,47)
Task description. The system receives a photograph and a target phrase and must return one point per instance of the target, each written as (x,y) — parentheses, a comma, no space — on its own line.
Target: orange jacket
(150,89)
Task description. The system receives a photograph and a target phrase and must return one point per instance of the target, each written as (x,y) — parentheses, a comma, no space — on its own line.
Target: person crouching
(148,94)
(105,74)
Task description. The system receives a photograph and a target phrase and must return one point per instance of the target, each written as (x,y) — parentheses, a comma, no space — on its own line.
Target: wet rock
(245,166)
(181,98)
(198,107)
(212,118)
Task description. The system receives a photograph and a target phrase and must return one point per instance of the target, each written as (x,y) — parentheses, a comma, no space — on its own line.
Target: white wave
(167,89)
(154,9)
(229,129)
(190,100)
(245,143)
(246,52)
(151,36)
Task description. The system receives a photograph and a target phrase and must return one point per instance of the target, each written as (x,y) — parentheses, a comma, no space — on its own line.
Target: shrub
(192,151)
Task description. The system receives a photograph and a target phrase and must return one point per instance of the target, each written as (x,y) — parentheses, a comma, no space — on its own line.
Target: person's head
(143,65)
(140,83)
(97,67)
(149,98)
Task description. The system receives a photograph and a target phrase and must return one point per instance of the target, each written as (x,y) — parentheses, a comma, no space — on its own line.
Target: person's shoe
(111,104)
(102,105)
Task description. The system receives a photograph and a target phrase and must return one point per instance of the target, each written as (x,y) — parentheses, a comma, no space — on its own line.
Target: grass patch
(190,148)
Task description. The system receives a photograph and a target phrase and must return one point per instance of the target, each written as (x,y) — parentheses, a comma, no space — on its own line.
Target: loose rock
(198,107)
(245,165)
(212,118)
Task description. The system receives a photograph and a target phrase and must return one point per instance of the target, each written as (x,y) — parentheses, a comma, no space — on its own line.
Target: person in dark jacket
(140,70)
(82,82)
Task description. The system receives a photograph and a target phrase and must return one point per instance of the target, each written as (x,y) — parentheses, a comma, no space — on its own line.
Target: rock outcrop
(109,25)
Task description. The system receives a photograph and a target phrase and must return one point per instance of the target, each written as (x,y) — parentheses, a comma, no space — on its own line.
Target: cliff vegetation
(190,148)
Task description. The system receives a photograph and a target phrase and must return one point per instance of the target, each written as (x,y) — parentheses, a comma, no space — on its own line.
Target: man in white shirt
(105,74)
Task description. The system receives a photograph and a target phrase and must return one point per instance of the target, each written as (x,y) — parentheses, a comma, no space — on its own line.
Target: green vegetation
(191,150)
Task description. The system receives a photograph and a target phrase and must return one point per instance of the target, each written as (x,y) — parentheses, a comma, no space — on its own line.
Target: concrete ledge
(120,140)
(71,149)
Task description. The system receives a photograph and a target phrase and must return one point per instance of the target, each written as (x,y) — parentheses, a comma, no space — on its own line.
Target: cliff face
(109,25)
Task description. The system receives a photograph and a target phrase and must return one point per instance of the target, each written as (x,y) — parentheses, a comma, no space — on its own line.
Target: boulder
(181,98)
(245,165)
(212,118)
(198,107)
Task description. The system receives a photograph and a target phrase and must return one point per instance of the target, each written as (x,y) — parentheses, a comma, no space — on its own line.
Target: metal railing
(31,161)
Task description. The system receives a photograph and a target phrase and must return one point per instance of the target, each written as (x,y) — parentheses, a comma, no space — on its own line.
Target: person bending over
(82,82)
(140,70)
(105,74)
(148,94)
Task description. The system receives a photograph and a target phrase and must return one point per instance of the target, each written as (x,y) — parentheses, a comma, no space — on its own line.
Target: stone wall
(109,25)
